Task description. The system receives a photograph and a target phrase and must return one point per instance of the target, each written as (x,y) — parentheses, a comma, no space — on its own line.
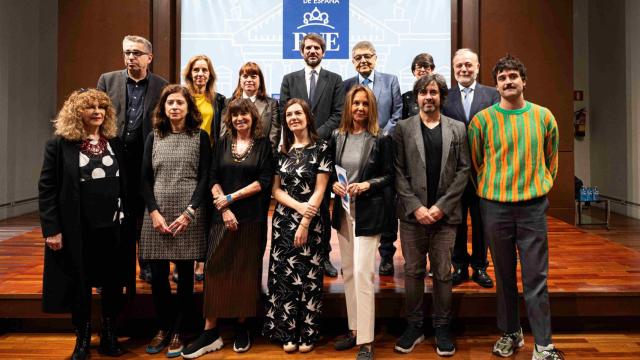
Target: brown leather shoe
(175,346)
(158,342)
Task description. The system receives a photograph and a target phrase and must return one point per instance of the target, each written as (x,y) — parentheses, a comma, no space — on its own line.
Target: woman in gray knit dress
(175,175)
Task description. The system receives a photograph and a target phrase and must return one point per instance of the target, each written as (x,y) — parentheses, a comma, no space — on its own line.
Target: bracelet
(304,226)
(188,215)
(229,198)
(190,210)
(224,210)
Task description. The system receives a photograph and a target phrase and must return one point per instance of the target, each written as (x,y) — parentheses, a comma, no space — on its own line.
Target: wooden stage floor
(589,276)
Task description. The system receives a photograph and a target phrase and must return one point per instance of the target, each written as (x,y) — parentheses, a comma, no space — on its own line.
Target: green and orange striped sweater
(514,152)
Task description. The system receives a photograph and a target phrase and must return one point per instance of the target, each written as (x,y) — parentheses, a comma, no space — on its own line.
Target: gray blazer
(269,119)
(411,169)
(328,102)
(115,85)
(387,92)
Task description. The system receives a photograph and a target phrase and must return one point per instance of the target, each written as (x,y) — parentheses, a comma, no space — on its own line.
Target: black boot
(108,340)
(83,342)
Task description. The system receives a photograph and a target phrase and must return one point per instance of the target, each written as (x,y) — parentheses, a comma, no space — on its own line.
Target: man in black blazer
(323,91)
(134,93)
(466,99)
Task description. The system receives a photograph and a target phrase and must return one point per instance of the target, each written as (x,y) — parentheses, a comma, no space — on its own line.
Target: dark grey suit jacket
(483,97)
(115,85)
(328,102)
(411,169)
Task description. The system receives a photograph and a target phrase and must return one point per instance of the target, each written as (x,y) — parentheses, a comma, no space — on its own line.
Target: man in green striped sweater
(514,150)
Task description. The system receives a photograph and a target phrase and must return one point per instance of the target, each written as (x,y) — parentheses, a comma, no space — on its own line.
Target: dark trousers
(168,312)
(99,253)
(478,257)
(417,240)
(390,230)
(326,220)
(520,230)
(135,202)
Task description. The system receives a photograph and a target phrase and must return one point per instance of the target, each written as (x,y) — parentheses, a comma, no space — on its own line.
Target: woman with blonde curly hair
(82,204)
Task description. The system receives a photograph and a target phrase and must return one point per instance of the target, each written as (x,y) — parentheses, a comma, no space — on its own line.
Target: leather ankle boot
(83,342)
(108,339)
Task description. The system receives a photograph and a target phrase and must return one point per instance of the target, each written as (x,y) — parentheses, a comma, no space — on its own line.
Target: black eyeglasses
(367,57)
(135,53)
(81,90)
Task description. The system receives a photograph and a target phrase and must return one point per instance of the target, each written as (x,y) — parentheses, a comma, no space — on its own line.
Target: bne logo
(330,19)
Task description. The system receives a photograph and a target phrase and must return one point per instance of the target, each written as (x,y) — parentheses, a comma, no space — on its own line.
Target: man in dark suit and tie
(386,89)
(134,93)
(323,90)
(466,99)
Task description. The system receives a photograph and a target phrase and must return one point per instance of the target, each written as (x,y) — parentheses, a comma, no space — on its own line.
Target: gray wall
(581,145)
(607,54)
(28,53)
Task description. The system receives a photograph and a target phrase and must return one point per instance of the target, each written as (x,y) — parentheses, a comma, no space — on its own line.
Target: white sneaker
(548,352)
(508,344)
(290,347)
(305,348)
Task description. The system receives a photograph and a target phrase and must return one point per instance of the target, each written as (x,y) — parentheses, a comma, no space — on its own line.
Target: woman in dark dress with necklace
(82,199)
(295,272)
(240,180)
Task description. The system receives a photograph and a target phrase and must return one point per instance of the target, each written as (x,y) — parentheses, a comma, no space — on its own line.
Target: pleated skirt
(232,271)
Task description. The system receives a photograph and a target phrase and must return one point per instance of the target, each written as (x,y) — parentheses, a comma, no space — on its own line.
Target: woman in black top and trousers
(82,204)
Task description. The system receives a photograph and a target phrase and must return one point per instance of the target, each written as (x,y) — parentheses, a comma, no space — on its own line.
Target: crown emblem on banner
(315,17)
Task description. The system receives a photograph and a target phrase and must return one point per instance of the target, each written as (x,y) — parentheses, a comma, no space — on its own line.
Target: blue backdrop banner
(329,18)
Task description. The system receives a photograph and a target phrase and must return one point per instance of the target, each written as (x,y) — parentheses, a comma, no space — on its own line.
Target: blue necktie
(312,86)
(466,102)
(366,82)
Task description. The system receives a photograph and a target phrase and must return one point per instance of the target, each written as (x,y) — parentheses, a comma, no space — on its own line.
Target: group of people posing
(189,175)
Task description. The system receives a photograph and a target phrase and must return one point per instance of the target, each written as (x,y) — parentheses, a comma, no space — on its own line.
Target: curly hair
(161,122)
(509,62)
(243,106)
(68,123)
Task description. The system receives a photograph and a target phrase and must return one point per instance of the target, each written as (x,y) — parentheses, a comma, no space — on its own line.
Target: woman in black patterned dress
(175,169)
(295,272)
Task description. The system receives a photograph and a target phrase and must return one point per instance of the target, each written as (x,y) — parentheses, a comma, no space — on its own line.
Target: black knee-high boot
(83,342)
(108,339)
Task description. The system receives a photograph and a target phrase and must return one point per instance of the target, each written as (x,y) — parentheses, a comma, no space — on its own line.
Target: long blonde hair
(68,123)
(346,125)
(210,87)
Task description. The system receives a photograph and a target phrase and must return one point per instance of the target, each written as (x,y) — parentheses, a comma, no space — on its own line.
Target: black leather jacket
(376,168)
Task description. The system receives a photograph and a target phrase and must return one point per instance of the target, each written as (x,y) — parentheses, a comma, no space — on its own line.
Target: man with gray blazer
(323,91)
(431,163)
(466,99)
(134,93)
(386,89)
